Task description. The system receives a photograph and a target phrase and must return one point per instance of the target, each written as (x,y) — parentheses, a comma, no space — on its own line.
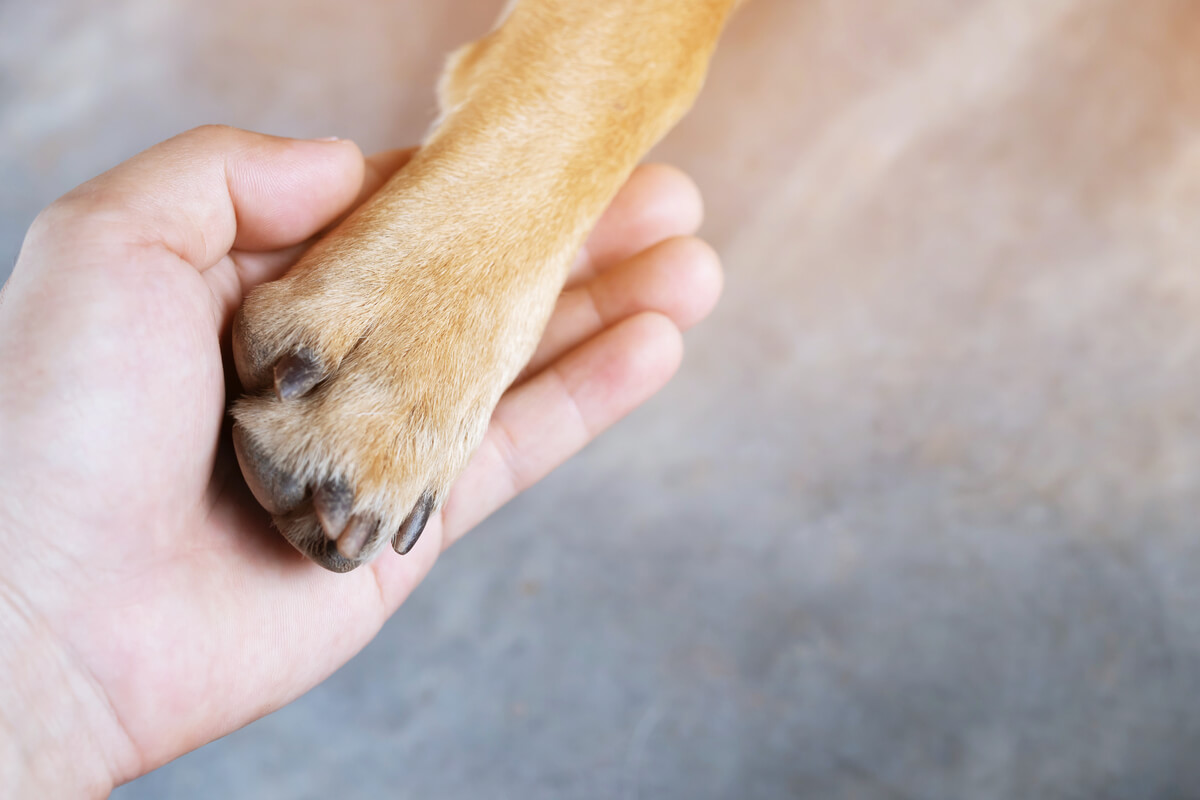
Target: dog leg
(373,367)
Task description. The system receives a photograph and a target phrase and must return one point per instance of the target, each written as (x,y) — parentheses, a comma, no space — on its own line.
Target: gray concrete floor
(919,517)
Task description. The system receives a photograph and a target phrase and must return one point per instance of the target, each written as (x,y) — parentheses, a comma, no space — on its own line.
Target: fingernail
(327,139)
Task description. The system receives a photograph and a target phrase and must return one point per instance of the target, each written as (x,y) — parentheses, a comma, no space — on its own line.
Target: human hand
(146,606)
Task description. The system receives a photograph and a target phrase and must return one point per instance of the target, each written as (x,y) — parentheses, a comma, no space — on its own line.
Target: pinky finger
(550,417)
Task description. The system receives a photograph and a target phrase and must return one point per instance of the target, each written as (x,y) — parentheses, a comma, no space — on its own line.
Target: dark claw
(296,374)
(278,492)
(413,525)
(332,503)
(358,530)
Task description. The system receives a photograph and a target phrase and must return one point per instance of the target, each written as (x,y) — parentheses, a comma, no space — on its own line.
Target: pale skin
(146,604)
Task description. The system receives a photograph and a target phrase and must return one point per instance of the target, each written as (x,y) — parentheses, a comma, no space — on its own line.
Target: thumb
(215,188)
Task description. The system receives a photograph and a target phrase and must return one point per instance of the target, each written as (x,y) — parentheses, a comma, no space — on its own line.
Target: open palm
(139,580)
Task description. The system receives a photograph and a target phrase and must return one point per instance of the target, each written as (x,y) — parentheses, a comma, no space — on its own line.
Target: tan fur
(425,304)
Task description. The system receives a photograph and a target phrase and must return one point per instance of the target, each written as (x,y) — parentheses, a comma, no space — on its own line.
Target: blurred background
(918,518)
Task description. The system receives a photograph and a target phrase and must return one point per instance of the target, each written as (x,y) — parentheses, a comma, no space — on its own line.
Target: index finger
(657,202)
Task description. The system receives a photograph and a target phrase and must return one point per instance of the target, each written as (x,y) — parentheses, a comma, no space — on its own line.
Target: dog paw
(371,371)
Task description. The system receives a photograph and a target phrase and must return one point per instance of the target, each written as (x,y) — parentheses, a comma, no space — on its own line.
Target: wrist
(58,735)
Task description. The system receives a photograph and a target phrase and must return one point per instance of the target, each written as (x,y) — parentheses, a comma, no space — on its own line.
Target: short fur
(417,312)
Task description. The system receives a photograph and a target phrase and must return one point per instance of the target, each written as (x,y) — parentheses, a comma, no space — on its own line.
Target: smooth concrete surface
(918,519)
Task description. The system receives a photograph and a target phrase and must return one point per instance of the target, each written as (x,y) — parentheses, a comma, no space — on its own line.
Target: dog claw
(413,525)
(276,491)
(332,502)
(354,536)
(296,374)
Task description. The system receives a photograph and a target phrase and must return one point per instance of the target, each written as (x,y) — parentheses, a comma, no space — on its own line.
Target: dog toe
(351,548)
(277,490)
